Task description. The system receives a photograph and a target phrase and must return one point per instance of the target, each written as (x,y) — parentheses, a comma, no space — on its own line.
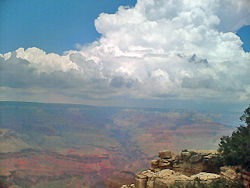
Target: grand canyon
(66,145)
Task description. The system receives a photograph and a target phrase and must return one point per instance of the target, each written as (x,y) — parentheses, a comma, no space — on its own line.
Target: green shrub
(235,149)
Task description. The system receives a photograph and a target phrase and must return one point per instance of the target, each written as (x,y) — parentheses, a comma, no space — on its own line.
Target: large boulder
(140,182)
(195,158)
(166,154)
(154,164)
(188,162)
(165,164)
(205,177)
(141,179)
(166,178)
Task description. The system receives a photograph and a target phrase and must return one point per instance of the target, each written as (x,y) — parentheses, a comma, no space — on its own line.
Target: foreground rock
(187,162)
(185,168)
(234,173)
(167,177)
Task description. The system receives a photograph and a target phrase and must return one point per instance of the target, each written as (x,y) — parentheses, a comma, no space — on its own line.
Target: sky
(153,53)
(50,25)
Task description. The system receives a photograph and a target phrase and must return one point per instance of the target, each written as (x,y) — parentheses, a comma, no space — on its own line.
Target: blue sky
(57,26)
(158,51)
(54,26)
(244,34)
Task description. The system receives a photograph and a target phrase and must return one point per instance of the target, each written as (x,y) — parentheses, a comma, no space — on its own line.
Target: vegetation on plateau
(235,149)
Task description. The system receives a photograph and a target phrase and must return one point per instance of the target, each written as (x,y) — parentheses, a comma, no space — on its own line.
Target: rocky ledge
(184,168)
(187,162)
(167,177)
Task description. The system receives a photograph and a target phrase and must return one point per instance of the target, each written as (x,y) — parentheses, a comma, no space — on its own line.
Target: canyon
(65,145)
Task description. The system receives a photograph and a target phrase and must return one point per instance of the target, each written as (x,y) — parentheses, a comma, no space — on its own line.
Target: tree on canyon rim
(235,149)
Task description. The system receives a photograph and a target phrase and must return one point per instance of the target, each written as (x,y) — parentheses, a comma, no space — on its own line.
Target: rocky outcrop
(234,173)
(183,168)
(187,167)
(167,177)
(187,162)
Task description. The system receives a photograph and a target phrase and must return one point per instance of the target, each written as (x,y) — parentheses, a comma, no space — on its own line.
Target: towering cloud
(158,49)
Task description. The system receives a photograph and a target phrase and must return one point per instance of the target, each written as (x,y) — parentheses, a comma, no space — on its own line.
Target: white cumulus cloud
(159,49)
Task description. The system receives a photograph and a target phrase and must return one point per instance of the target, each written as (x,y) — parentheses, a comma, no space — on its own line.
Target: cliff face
(167,177)
(187,162)
(185,168)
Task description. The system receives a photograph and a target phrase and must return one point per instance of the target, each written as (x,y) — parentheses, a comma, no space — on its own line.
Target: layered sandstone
(187,162)
(186,167)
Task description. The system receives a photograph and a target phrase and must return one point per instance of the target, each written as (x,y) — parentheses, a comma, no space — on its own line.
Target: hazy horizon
(145,53)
